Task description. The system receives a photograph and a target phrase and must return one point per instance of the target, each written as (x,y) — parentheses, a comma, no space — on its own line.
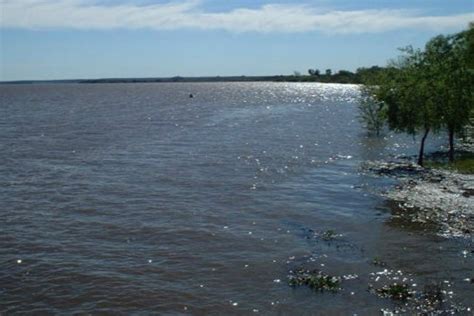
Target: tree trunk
(422,147)
(451,145)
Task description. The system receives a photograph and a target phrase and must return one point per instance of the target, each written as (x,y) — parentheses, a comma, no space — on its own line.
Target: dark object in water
(377,262)
(191,95)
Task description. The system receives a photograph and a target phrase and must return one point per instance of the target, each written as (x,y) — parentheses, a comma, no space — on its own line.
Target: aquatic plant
(395,291)
(315,280)
(328,235)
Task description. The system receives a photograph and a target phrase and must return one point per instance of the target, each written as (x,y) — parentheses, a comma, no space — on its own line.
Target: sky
(79,39)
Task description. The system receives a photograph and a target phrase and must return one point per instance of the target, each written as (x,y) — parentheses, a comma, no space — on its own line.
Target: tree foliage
(372,113)
(451,82)
(428,90)
(314,72)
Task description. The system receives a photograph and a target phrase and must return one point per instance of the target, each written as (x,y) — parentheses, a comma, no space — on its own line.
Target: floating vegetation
(329,242)
(397,291)
(328,235)
(433,300)
(393,285)
(314,279)
(412,298)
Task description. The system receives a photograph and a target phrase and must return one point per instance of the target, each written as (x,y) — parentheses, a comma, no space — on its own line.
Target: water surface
(136,198)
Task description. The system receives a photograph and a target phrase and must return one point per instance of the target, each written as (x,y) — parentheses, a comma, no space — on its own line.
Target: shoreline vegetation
(423,92)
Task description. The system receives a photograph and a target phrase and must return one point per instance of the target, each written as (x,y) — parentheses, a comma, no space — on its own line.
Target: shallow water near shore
(128,198)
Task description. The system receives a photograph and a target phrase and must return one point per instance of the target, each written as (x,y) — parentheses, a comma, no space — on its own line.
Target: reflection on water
(135,197)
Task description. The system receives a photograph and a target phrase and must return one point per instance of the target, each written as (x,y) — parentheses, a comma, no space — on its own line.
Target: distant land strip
(278,78)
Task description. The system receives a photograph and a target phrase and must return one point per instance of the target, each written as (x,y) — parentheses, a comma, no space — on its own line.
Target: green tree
(405,89)
(372,113)
(364,75)
(469,53)
(344,76)
(451,83)
(428,90)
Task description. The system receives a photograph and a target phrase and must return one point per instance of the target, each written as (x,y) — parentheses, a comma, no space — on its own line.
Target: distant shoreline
(278,78)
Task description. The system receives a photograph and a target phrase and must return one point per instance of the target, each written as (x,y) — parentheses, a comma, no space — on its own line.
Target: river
(136,198)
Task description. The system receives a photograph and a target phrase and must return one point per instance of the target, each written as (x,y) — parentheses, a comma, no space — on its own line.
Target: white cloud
(190,14)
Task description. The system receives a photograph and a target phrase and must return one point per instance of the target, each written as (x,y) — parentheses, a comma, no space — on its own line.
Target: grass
(463,163)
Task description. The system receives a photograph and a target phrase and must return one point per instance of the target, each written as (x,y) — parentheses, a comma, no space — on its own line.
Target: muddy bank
(431,196)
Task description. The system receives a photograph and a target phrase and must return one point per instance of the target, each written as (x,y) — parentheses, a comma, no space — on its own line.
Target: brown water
(135,198)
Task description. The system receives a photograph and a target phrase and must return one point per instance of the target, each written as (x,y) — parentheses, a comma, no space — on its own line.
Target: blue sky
(65,39)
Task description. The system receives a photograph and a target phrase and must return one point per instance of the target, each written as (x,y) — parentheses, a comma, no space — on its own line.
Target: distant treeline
(187,79)
(342,76)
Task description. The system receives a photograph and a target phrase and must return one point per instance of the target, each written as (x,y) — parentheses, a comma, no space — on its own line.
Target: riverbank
(439,195)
